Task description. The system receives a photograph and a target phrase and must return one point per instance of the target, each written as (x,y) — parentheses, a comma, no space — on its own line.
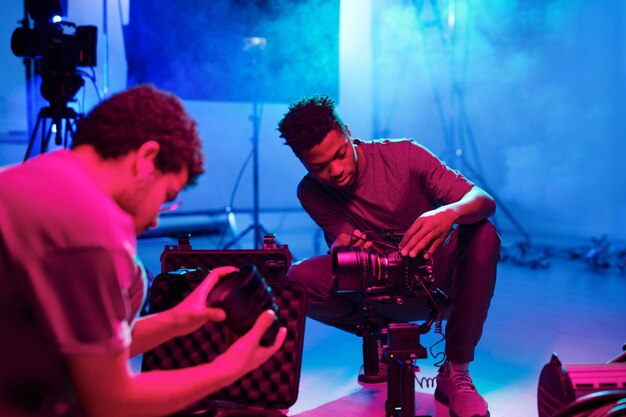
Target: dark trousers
(465,267)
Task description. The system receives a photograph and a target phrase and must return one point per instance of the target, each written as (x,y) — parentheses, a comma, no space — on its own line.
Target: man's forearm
(106,386)
(151,331)
(474,206)
(155,393)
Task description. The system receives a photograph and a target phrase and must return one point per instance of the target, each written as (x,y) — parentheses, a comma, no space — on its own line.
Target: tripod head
(59,87)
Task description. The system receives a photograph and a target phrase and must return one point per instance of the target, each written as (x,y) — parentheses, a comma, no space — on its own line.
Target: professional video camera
(53,50)
(383,276)
(62,45)
(390,278)
(59,46)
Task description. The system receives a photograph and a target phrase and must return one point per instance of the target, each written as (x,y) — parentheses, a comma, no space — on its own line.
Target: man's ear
(348,130)
(145,157)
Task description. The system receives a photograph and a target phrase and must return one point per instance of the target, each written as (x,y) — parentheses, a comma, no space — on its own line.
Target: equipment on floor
(261,284)
(579,390)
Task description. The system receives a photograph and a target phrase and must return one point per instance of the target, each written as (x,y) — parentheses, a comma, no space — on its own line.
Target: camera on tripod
(55,45)
(382,276)
(54,49)
(61,46)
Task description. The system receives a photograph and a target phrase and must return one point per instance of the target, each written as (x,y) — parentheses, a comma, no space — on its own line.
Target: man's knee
(481,240)
(316,275)
(309,269)
(298,273)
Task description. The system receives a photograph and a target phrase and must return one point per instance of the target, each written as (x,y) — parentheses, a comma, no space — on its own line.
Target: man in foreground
(70,282)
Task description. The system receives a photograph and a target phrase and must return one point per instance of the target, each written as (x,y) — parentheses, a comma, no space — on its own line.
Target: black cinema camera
(59,48)
(62,45)
(382,275)
(390,278)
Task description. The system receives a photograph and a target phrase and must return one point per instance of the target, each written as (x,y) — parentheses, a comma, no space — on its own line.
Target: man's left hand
(428,232)
(193,311)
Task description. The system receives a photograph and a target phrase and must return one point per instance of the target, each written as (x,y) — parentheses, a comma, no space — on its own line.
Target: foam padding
(275,384)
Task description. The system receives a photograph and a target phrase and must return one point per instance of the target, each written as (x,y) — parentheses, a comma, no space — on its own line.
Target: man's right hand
(246,353)
(349,240)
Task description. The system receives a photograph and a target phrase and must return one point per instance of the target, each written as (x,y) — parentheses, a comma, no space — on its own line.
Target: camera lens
(357,269)
(243,295)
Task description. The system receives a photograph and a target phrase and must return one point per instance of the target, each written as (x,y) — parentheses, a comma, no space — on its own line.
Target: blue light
(56,19)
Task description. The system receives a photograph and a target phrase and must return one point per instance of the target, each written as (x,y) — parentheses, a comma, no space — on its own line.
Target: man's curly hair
(308,121)
(125,121)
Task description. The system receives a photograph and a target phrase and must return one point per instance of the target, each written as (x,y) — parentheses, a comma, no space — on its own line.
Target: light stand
(254,46)
(454,123)
(256,228)
(458,128)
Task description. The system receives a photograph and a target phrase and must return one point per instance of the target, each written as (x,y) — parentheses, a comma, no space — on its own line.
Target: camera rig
(390,278)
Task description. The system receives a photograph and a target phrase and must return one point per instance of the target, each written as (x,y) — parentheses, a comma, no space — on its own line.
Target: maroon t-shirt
(69,280)
(400,180)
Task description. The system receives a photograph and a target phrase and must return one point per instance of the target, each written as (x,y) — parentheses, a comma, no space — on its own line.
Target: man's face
(334,161)
(144,200)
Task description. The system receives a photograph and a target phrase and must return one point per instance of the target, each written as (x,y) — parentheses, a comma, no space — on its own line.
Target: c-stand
(256,227)
(254,47)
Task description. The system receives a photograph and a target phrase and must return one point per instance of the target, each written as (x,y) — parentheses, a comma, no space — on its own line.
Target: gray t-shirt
(70,282)
(400,180)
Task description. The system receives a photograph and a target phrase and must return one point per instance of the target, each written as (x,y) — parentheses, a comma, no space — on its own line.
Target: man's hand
(193,311)
(428,232)
(430,229)
(355,239)
(106,386)
(246,353)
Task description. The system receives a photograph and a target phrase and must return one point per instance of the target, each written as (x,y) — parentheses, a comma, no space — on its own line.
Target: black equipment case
(275,384)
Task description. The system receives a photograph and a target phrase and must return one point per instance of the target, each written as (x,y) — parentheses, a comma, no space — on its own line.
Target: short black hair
(308,121)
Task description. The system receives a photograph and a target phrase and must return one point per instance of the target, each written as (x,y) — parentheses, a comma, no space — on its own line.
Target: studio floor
(566,308)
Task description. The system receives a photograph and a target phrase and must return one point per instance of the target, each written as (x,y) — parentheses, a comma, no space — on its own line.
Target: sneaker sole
(443,399)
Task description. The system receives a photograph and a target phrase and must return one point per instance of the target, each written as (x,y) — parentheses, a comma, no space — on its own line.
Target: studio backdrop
(235,50)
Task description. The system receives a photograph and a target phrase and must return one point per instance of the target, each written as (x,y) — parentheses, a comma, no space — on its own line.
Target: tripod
(256,228)
(62,123)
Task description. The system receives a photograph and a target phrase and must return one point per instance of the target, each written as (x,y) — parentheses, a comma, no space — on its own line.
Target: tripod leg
(46,134)
(33,135)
